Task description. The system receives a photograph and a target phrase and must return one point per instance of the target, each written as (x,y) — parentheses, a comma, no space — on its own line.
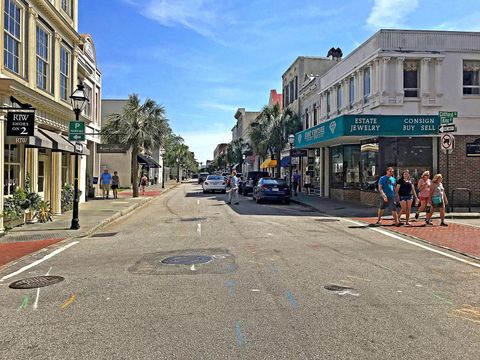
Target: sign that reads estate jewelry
(20,123)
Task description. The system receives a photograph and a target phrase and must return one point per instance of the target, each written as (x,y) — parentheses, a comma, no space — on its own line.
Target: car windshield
(273,182)
(215,177)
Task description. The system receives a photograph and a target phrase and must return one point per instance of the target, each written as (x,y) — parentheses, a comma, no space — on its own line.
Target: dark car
(271,189)
(250,181)
(202,176)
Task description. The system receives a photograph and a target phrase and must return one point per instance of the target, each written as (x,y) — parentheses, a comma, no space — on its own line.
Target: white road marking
(347,292)
(35,304)
(255,290)
(193,267)
(198,202)
(386,233)
(199,228)
(35,263)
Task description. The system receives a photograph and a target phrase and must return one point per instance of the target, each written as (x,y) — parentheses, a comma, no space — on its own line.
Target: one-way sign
(448,128)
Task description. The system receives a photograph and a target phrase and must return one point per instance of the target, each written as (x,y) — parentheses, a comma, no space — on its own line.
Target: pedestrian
(307,182)
(105,180)
(143,183)
(424,185)
(115,183)
(439,200)
(406,192)
(386,188)
(295,182)
(233,189)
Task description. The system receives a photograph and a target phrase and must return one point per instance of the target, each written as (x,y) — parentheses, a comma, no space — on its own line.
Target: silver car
(214,183)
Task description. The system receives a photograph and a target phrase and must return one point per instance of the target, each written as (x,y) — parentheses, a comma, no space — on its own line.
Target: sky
(203,59)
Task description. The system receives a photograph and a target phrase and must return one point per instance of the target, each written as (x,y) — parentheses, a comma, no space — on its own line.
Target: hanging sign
(20,123)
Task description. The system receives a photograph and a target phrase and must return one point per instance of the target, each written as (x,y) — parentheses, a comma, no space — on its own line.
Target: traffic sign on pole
(446,117)
(76,131)
(447,142)
(448,128)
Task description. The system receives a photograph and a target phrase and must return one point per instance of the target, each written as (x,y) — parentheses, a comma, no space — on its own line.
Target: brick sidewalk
(463,239)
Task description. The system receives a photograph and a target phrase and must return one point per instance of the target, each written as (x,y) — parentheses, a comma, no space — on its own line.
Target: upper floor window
(366,84)
(328,103)
(64,73)
(292,92)
(471,77)
(43,45)
(296,87)
(315,114)
(87,110)
(67,6)
(286,96)
(351,91)
(307,120)
(339,98)
(410,79)
(12,36)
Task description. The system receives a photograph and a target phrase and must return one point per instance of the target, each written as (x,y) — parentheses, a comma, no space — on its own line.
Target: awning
(268,164)
(146,160)
(285,162)
(59,143)
(37,140)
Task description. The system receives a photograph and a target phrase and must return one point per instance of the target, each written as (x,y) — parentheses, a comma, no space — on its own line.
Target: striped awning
(269,163)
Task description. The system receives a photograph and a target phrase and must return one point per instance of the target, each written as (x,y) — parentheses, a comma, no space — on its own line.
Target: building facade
(380,107)
(39,66)
(241,130)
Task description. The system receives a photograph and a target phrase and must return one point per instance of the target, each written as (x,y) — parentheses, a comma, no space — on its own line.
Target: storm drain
(36,282)
(187,260)
(104,235)
(327,220)
(332,287)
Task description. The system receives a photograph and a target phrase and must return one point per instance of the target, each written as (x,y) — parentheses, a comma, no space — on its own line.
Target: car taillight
(205,183)
(265,187)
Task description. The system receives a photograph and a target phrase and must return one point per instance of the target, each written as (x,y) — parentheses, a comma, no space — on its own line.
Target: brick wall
(345,194)
(464,172)
(369,198)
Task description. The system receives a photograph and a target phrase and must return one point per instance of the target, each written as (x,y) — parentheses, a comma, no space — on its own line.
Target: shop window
(41,176)
(12,44)
(336,171)
(351,92)
(369,166)
(410,79)
(11,174)
(471,77)
(366,84)
(345,166)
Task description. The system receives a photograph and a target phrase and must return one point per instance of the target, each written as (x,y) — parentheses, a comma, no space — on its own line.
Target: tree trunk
(278,154)
(134,172)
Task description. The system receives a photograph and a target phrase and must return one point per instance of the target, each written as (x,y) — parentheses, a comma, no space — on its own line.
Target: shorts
(406,197)
(307,185)
(114,187)
(389,205)
(106,187)
(425,198)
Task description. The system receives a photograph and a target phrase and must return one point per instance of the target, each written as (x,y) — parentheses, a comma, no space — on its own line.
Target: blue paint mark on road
(292,300)
(239,334)
(231,285)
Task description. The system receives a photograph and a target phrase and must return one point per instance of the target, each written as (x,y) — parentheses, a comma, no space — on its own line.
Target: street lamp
(178,169)
(291,140)
(79,101)
(162,152)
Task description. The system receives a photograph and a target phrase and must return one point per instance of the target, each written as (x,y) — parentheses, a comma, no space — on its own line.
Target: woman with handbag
(439,200)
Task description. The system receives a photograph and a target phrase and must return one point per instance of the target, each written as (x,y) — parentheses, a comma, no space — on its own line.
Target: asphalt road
(282,282)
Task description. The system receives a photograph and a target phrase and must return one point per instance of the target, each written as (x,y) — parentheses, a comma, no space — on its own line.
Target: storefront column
(3,115)
(376,78)
(424,78)
(399,80)
(326,174)
(56,195)
(56,84)
(438,78)
(383,90)
(32,29)
(31,155)
(435,157)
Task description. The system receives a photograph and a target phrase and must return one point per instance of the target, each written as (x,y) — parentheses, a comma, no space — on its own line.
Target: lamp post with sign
(79,100)
(291,140)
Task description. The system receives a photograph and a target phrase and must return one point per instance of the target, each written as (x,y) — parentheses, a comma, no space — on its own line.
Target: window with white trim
(410,78)
(471,77)
(64,73)
(366,84)
(12,41)
(67,7)
(87,110)
(43,59)
(11,171)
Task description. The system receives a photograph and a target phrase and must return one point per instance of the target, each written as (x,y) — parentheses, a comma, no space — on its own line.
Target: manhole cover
(104,234)
(326,220)
(35,282)
(332,287)
(187,259)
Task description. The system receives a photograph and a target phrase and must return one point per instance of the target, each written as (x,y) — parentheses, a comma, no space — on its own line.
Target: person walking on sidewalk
(143,183)
(386,188)
(406,193)
(295,182)
(115,183)
(307,182)
(105,180)
(439,200)
(233,189)
(424,185)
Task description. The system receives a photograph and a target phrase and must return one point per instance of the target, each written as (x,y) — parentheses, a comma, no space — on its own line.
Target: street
(279,282)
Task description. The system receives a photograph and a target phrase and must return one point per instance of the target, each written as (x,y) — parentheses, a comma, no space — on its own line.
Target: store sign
(299,153)
(473,149)
(369,126)
(111,148)
(20,123)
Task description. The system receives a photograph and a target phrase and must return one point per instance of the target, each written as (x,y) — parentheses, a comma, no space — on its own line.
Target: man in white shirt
(234,189)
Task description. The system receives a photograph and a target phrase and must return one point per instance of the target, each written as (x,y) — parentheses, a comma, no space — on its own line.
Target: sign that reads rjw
(20,123)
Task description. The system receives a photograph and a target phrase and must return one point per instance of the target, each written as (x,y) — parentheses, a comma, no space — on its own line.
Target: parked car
(271,189)
(246,186)
(202,176)
(194,176)
(214,183)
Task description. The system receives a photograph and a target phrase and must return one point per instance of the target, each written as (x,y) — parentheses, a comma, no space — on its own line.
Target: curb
(89,232)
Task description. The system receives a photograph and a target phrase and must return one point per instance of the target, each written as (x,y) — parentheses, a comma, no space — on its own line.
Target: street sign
(76,131)
(299,152)
(447,142)
(20,123)
(78,148)
(111,148)
(446,117)
(448,128)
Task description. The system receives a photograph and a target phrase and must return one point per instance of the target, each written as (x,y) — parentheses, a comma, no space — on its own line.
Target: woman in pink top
(424,185)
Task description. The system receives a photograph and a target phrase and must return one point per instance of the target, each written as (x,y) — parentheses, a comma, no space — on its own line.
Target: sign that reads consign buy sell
(369,125)
(20,123)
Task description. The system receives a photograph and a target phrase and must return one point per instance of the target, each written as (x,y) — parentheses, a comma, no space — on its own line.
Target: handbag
(437,200)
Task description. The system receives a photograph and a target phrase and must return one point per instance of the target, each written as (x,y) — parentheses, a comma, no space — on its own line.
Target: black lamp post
(79,100)
(291,140)
(162,152)
(178,169)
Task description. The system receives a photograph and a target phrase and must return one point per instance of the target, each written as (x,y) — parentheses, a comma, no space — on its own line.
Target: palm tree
(141,127)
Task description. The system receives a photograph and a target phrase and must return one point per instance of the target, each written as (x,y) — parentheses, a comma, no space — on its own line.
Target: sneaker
(378,223)
(428,222)
(443,224)
(416,216)
(407,224)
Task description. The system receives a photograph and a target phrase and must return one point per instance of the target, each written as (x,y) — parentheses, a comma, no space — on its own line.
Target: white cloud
(467,23)
(391,13)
